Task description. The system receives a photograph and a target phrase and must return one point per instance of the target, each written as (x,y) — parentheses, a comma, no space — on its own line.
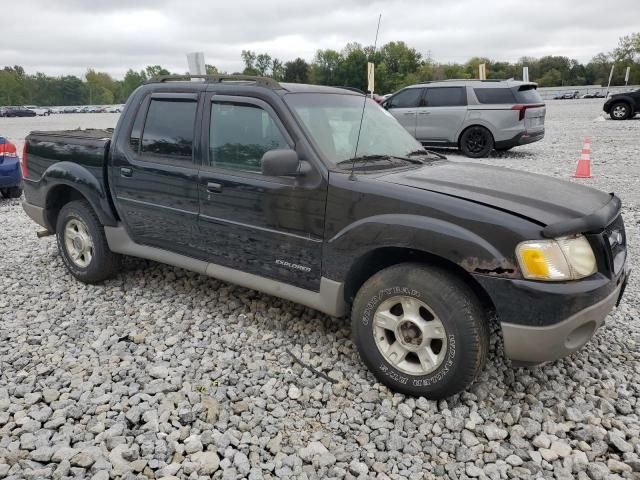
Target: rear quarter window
(495,96)
(528,94)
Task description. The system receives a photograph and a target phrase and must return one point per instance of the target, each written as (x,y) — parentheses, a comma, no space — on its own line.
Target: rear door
(442,115)
(403,106)
(154,177)
(268,226)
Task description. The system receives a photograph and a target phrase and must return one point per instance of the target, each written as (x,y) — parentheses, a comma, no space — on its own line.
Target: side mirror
(280,163)
(386,105)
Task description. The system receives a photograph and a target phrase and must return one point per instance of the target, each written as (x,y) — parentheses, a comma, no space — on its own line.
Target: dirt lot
(162,373)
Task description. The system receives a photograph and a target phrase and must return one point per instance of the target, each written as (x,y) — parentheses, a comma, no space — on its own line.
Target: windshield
(333,121)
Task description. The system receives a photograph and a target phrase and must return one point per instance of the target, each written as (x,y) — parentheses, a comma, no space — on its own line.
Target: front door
(439,121)
(268,226)
(154,177)
(403,107)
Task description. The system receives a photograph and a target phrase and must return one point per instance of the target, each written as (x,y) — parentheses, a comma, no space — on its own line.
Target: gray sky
(68,36)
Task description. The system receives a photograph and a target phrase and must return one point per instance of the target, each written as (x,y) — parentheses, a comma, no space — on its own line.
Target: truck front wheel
(83,245)
(420,330)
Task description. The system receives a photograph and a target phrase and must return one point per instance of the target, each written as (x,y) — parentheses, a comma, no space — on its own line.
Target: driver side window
(409,98)
(240,134)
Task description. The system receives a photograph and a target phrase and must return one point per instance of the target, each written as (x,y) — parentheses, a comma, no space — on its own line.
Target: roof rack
(260,81)
(470,80)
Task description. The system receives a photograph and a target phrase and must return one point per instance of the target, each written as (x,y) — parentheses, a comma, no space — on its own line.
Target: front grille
(616,240)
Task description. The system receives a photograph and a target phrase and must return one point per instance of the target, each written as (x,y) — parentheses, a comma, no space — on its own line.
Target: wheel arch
(476,124)
(380,258)
(64,182)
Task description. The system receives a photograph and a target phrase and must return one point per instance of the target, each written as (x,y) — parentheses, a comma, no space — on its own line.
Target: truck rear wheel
(420,330)
(83,245)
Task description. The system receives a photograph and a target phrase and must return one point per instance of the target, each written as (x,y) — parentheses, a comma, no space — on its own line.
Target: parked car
(265,191)
(17,112)
(473,115)
(622,106)
(114,109)
(39,111)
(10,172)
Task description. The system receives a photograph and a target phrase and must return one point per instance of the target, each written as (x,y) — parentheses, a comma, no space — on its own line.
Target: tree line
(397,65)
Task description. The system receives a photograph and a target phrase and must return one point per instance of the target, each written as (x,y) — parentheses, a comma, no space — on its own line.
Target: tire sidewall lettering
(375,301)
(394,375)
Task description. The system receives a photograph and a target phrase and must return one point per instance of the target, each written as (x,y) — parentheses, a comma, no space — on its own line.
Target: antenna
(364,100)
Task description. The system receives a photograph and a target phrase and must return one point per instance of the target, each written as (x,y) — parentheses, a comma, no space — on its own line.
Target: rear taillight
(25,170)
(522,109)
(8,150)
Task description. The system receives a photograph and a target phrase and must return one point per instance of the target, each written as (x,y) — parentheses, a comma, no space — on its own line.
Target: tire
(462,326)
(97,262)
(476,142)
(620,111)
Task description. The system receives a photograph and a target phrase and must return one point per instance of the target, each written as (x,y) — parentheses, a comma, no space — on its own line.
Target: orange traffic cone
(583,169)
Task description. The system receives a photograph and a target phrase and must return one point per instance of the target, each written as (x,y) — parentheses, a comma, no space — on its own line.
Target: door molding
(329,300)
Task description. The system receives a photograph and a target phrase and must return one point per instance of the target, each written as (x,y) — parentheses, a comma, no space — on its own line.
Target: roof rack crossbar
(262,81)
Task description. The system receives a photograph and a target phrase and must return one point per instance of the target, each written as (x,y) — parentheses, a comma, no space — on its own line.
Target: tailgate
(534,118)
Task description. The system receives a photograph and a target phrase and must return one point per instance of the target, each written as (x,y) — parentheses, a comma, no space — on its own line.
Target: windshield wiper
(373,157)
(426,153)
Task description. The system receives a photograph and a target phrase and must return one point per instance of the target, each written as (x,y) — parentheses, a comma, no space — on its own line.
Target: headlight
(564,258)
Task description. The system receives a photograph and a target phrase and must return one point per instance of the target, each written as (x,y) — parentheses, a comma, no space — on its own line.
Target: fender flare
(84,182)
(433,236)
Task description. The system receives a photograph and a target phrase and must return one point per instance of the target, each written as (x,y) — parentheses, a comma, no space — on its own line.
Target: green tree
(325,67)
(277,69)
(211,70)
(156,71)
(263,64)
(296,71)
(249,59)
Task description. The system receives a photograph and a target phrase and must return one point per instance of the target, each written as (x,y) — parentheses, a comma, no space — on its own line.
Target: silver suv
(476,116)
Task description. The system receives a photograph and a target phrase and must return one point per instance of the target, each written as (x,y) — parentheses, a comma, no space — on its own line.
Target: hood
(542,199)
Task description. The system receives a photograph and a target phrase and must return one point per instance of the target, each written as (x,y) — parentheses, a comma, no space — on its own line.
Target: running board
(329,300)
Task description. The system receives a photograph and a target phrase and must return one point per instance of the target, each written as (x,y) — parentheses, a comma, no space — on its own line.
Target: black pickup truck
(319,196)
(622,106)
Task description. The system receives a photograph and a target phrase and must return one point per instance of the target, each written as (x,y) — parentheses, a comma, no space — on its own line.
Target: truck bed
(88,148)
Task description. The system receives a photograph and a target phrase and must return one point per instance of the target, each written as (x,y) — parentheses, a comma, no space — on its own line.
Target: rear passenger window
(494,95)
(241,134)
(168,130)
(408,98)
(446,97)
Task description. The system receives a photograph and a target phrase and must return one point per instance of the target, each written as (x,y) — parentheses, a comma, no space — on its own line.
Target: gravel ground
(162,373)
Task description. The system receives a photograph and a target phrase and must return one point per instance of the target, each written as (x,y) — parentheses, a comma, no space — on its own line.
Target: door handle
(409,113)
(126,172)
(424,113)
(214,187)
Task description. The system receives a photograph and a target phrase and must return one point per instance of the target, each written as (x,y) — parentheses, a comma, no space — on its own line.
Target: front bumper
(553,324)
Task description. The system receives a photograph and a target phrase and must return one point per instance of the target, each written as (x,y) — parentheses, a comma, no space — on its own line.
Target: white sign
(482,71)
(370,77)
(611,75)
(626,76)
(196,63)
(525,74)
